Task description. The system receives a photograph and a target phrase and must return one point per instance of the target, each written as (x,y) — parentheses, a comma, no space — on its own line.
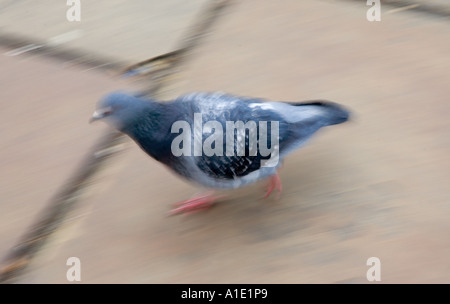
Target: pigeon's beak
(99,114)
(96,116)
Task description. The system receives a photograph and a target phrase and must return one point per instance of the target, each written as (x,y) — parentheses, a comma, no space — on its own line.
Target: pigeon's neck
(152,127)
(147,119)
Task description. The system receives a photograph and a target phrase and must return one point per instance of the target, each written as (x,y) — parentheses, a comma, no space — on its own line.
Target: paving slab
(374,187)
(126,31)
(45,135)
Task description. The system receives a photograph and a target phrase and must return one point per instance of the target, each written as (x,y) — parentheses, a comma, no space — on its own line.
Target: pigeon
(218,140)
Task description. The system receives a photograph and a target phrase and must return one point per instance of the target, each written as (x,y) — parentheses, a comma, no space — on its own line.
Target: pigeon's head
(118,109)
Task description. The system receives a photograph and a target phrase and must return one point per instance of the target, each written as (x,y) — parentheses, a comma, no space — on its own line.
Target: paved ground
(45,134)
(126,31)
(376,186)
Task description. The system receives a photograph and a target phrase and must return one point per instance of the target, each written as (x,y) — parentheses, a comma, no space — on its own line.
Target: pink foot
(274,182)
(201,202)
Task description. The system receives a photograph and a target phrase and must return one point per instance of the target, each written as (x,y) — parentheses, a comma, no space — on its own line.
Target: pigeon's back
(216,106)
(219,105)
(297,121)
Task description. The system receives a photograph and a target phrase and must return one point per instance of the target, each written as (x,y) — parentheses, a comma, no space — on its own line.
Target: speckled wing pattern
(224,107)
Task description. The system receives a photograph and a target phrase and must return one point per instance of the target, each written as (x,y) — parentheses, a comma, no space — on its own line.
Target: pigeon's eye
(112,109)
(107,111)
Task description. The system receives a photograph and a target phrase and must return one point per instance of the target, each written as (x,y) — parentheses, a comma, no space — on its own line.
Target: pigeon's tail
(330,112)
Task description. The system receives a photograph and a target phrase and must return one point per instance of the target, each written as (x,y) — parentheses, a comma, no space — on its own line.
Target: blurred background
(376,186)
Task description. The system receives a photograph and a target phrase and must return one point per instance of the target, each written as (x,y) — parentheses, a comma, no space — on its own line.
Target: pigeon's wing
(224,109)
(303,119)
(228,167)
(239,155)
(296,123)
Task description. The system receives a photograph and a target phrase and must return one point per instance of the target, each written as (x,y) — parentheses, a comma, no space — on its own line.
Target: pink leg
(201,202)
(274,182)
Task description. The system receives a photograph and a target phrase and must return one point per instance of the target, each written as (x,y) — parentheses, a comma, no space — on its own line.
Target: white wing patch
(264,106)
(294,114)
